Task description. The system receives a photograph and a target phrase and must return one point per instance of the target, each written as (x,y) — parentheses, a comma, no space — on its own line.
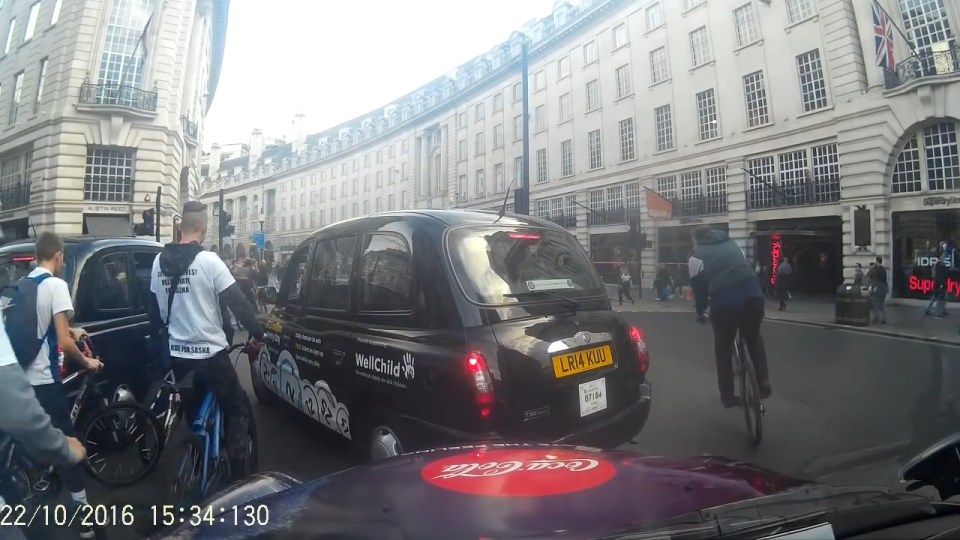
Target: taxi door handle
(340,355)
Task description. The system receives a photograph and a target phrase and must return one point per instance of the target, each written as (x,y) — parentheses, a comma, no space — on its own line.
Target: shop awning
(108,225)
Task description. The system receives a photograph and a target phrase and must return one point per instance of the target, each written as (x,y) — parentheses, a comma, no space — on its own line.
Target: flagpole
(123,74)
(899,31)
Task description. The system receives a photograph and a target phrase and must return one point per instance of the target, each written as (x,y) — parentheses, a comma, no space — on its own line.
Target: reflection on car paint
(316,400)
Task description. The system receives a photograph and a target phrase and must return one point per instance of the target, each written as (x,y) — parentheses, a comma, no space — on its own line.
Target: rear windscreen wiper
(568,301)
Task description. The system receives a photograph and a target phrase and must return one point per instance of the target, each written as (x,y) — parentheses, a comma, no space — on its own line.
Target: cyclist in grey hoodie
(736,303)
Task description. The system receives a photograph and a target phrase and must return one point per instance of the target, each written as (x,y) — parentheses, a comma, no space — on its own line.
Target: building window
(594,149)
(813,89)
(541,166)
(517,127)
(31,22)
(659,69)
(590,53)
(366,182)
(40,83)
(478,144)
(798,10)
(379,160)
(343,190)
(498,102)
(716,190)
(826,172)
(10,32)
(498,136)
(926,22)
(654,15)
(56,12)
(596,216)
(663,116)
(566,158)
(122,59)
(518,170)
(762,177)
(517,92)
(566,108)
(755,94)
(17,91)
(627,142)
(404,144)
(745,24)
(479,112)
(462,188)
(343,167)
(498,180)
(109,175)
(690,4)
(667,186)
(539,81)
(462,120)
(624,86)
(481,184)
(620,36)
(707,115)
(691,192)
(940,166)
(540,118)
(379,178)
(563,67)
(461,150)
(355,187)
(699,47)
(593,95)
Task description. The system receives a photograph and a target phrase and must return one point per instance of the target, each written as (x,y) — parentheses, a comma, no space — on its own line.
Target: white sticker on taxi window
(549,284)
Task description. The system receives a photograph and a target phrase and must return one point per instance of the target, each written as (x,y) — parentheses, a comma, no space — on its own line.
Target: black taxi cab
(109,281)
(410,329)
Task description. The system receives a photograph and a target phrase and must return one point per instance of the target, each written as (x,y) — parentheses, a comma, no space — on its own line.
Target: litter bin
(853,305)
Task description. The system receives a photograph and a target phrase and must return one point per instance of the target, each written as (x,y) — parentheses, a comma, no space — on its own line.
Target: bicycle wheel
(123,430)
(159,400)
(750,398)
(183,469)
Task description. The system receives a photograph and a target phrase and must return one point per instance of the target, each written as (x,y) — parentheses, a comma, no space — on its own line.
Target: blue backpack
(20,318)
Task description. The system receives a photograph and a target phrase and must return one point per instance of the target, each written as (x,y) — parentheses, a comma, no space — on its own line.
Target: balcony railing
(797,194)
(924,64)
(118,95)
(612,216)
(14,196)
(567,221)
(699,206)
(189,129)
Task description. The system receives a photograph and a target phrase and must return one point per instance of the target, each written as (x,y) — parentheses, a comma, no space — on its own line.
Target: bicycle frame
(207,425)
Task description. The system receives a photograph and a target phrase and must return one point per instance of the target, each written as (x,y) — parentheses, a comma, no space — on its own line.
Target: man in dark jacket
(736,303)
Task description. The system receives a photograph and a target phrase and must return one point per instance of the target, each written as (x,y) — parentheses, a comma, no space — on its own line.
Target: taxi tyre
(381,435)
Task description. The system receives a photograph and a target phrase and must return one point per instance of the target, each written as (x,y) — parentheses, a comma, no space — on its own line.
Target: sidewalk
(907,322)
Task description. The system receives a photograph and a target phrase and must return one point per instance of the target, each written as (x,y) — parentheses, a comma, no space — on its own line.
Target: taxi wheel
(382,439)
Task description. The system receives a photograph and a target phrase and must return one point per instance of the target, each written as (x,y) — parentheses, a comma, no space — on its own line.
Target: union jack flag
(883,37)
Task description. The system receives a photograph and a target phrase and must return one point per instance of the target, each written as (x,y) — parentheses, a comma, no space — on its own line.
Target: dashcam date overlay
(60,515)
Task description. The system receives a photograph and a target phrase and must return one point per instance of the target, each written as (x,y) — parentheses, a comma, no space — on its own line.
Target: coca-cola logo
(519,473)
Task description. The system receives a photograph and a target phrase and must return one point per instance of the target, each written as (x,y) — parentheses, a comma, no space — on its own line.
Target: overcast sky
(334,60)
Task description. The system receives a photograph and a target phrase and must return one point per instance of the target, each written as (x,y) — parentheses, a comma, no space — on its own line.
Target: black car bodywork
(109,281)
(431,327)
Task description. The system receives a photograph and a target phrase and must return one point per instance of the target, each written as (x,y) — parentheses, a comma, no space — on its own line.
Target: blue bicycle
(197,461)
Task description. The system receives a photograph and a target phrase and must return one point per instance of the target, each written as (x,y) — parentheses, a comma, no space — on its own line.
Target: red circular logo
(519,472)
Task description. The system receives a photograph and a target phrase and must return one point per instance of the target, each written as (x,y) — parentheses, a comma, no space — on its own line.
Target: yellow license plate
(574,362)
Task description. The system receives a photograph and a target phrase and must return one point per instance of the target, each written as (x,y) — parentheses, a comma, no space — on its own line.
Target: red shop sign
(519,473)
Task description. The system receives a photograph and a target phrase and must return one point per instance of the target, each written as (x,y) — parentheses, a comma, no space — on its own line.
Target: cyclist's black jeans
(217,375)
(726,321)
(53,399)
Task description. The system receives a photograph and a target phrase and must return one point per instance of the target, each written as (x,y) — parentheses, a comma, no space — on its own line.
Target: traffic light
(147,227)
(226,229)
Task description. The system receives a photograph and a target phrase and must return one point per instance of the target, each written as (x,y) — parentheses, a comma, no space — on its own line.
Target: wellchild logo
(408,370)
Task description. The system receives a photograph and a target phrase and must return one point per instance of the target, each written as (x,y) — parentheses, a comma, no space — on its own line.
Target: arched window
(929,161)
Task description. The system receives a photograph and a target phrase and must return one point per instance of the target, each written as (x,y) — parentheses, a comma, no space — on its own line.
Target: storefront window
(921,240)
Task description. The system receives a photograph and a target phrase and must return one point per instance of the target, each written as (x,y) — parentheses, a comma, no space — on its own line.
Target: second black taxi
(412,329)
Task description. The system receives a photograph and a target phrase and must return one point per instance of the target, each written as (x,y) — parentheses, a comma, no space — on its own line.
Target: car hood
(496,490)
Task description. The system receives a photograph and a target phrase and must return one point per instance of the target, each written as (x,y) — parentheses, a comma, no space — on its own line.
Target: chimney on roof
(214,166)
(256,146)
(299,137)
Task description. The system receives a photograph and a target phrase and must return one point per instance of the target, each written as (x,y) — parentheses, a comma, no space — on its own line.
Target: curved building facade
(790,123)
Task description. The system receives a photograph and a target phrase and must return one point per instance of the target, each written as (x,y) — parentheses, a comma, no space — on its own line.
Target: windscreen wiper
(568,301)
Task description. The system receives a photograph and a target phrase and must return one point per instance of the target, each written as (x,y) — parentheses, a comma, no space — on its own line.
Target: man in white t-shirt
(195,325)
(54,310)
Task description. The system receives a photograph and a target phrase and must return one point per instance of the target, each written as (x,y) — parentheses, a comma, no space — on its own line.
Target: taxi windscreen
(509,265)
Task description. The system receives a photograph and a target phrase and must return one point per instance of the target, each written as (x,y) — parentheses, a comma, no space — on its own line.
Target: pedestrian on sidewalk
(698,284)
(626,284)
(938,302)
(858,276)
(784,275)
(877,278)
(663,283)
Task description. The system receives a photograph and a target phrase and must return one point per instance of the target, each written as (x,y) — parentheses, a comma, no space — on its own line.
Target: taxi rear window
(501,265)
(16,265)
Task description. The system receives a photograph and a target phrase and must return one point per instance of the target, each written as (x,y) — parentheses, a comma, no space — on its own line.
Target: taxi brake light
(482,383)
(522,236)
(25,258)
(640,349)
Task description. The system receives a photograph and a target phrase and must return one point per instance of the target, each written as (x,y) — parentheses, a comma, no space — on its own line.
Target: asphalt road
(847,408)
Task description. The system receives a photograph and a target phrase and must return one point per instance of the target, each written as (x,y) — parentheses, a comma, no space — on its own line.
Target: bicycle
(24,481)
(198,462)
(111,427)
(745,375)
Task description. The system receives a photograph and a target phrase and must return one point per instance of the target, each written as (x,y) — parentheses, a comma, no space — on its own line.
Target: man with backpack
(38,315)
